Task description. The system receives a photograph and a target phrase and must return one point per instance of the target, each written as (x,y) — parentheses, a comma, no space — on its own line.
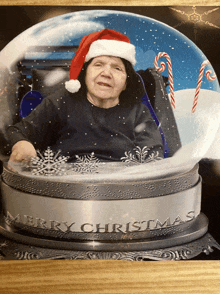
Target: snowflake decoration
(140,156)
(86,164)
(195,17)
(48,164)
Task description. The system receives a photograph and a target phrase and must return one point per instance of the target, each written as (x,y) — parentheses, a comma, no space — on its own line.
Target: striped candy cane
(170,72)
(209,78)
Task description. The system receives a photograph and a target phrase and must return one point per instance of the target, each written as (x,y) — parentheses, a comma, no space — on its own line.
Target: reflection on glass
(44,67)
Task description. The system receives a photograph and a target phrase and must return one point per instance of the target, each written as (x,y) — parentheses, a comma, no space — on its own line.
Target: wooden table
(108,276)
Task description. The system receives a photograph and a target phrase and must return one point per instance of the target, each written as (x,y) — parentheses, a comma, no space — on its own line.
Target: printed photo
(110,131)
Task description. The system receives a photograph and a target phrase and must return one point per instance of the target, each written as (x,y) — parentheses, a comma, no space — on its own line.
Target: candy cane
(170,72)
(209,78)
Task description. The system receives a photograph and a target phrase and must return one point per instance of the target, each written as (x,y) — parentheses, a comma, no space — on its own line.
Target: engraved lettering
(161,225)
(177,220)
(148,227)
(137,226)
(41,223)
(83,228)
(98,228)
(117,227)
(65,227)
(29,220)
(191,215)
(10,219)
(56,226)
(68,227)
(127,228)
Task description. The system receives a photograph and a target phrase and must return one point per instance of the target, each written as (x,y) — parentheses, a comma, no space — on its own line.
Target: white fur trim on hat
(73,86)
(112,48)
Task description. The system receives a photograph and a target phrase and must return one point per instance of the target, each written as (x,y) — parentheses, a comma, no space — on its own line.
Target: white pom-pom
(72,86)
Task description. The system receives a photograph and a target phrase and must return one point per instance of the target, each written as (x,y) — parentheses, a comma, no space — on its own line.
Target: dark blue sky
(148,35)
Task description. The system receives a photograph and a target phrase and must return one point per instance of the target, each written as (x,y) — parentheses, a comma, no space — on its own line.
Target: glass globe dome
(193,92)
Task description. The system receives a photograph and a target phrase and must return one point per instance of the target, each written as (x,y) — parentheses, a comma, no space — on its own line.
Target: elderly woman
(100,110)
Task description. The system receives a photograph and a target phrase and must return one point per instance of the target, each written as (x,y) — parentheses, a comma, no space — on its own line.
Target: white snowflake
(48,164)
(86,164)
(140,156)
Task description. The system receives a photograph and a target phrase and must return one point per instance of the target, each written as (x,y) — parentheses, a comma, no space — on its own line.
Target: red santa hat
(105,42)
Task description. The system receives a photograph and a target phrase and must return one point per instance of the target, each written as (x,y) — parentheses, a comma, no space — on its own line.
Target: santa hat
(105,42)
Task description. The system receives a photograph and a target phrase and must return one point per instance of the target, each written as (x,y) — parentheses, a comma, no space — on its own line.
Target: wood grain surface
(111,2)
(103,276)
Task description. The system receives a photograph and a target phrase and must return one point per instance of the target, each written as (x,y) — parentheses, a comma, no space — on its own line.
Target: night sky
(204,33)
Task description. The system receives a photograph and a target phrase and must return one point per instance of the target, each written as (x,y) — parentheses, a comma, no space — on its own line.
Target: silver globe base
(11,250)
(16,246)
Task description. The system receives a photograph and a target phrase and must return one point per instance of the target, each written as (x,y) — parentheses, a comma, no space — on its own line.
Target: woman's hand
(22,151)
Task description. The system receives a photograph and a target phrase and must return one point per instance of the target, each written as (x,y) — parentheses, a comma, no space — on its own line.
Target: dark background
(203,28)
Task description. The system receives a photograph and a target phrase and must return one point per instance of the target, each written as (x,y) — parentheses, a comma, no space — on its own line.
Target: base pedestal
(17,245)
(36,226)
(11,250)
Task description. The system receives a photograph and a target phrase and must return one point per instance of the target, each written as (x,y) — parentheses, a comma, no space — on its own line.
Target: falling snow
(149,37)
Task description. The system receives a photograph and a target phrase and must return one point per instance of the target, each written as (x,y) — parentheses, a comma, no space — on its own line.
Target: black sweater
(76,127)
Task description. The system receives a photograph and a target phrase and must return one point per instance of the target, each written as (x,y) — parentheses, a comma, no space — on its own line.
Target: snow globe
(135,209)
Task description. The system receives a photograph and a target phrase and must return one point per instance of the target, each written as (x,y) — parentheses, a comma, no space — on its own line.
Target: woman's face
(105,79)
